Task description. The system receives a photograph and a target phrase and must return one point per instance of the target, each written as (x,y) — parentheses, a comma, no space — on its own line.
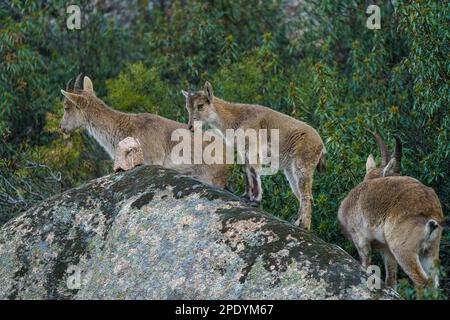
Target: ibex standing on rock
(83,109)
(301,149)
(397,215)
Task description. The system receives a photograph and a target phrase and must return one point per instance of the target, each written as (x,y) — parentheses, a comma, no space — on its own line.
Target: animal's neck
(103,124)
(227,115)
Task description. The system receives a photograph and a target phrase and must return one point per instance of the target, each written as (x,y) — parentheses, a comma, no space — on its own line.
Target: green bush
(194,38)
(138,89)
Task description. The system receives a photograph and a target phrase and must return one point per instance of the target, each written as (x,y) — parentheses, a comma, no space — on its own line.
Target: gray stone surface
(152,234)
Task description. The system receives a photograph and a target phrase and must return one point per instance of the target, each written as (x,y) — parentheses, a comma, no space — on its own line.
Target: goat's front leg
(364,250)
(255,172)
(253,188)
(248,183)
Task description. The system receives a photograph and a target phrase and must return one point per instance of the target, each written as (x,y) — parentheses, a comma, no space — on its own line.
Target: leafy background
(313,60)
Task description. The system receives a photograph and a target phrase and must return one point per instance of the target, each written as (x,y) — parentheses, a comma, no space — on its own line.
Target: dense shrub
(191,39)
(138,89)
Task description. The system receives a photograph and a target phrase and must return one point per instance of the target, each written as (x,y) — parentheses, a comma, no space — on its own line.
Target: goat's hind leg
(428,263)
(410,263)
(390,266)
(301,187)
(304,178)
(290,176)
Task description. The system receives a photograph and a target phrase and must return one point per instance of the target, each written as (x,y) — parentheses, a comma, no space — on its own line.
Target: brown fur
(397,215)
(301,147)
(83,109)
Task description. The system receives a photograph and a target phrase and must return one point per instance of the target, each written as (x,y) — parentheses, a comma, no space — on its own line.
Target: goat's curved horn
(77,85)
(68,85)
(384,151)
(398,154)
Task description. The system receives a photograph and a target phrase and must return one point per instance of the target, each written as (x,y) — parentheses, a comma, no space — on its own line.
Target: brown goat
(397,215)
(83,109)
(301,148)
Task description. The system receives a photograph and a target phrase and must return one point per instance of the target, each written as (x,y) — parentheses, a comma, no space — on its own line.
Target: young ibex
(397,215)
(301,149)
(83,109)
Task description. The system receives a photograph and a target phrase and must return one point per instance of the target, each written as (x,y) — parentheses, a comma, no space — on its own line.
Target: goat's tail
(431,229)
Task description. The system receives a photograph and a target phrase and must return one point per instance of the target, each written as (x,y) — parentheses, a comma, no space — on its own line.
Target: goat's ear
(88,86)
(389,170)
(209,91)
(74,98)
(185,94)
(370,164)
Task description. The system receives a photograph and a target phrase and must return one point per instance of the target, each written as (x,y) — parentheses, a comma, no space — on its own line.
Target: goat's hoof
(245,196)
(299,223)
(254,203)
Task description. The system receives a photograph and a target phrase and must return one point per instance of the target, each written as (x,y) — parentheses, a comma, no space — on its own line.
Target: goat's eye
(200,106)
